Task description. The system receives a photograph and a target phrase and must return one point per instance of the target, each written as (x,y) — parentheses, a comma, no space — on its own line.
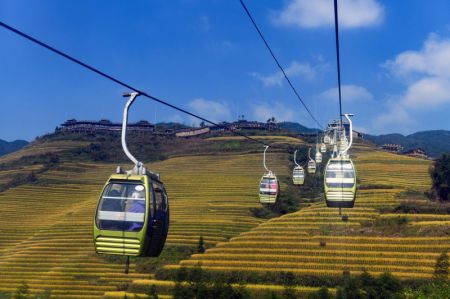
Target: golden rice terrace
(46,227)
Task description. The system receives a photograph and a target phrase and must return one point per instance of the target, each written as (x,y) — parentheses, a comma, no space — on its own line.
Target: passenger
(137,206)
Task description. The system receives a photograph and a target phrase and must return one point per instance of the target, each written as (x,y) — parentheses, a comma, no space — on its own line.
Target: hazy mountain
(433,142)
(295,127)
(8,147)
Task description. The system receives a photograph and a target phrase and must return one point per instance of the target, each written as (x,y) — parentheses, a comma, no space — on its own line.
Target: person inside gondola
(137,206)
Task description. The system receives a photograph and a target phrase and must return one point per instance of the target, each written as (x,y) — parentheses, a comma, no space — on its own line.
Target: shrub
(47,294)
(440,176)
(441,267)
(22,291)
(201,245)
(322,293)
(151,292)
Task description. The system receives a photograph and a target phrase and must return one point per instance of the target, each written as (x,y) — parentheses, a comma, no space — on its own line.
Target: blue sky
(205,56)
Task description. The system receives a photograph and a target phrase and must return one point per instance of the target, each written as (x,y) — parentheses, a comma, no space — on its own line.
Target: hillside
(12,146)
(212,186)
(317,246)
(49,244)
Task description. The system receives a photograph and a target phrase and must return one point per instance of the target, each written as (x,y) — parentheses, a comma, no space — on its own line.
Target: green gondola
(132,216)
(340,176)
(340,183)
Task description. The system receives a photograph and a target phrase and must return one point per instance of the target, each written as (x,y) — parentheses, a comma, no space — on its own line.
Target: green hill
(433,142)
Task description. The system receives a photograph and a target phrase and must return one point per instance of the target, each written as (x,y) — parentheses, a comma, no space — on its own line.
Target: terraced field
(43,147)
(46,241)
(45,231)
(316,240)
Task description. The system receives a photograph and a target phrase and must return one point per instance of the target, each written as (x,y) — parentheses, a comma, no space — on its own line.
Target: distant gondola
(269,186)
(298,173)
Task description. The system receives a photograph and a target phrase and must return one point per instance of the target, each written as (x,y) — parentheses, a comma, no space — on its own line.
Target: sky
(206,57)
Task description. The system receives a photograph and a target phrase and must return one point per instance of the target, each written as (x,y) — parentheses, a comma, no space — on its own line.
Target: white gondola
(269,186)
(323,148)
(298,174)
(326,139)
(318,156)
(311,164)
(340,177)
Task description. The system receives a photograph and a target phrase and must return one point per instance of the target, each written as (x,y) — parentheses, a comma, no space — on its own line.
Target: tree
(440,176)
(289,292)
(389,286)
(202,124)
(22,291)
(152,293)
(201,245)
(181,292)
(47,294)
(441,267)
(322,293)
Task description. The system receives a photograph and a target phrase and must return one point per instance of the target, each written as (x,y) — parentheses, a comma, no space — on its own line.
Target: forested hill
(433,142)
(8,147)
(295,127)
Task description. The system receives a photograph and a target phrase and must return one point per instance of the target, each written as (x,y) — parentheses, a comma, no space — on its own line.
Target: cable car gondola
(323,147)
(298,174)
(326,139)
(311,163)
(340,178)
(132,217)
(318,156)
(269,186)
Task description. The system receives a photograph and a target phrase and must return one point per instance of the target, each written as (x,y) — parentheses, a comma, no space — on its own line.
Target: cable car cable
(278,63)
(128,86)
(336,30)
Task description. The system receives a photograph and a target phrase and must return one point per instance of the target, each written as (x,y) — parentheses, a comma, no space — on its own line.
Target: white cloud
(265,111)
(396,116)
(350,93)
(428,87)
(320,13)
(212,110)
(427,93)
(294,69)
(433,59)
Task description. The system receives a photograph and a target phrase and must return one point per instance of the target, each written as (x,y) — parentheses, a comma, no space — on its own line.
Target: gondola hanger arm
(138,165)
(295,158)
(347,116)
(264,159)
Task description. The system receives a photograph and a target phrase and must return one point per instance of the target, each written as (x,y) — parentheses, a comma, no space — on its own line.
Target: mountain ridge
(7,147)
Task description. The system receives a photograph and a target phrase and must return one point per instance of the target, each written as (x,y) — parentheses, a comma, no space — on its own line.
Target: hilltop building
(241,124)
(88,126)
(192,132)
(395,148)
(417,153)
(143,127)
